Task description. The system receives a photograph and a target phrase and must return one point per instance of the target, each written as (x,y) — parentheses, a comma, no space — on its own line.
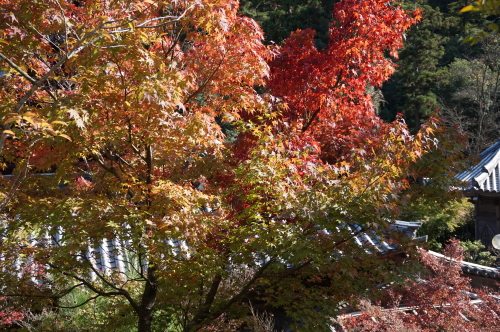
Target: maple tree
(326,89)
(441,299)
(121,99)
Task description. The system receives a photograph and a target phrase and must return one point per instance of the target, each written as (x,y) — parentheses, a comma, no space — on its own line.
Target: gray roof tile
(485,176)
(471,268)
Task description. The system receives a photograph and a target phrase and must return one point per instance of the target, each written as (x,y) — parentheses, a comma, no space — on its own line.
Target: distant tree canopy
(424,76)
(280,17)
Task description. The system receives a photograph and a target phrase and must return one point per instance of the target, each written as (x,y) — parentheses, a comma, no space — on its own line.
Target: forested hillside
(436,71)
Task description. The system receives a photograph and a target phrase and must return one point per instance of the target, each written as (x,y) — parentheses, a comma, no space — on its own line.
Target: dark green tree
(412,90)
(279,17)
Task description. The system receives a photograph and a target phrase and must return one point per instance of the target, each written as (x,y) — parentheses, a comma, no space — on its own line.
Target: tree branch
(86,283)
(209,299)
(315,114)
(198,320)
(80,45)
(202,87)
(144,25)
(24,74)
(79,305)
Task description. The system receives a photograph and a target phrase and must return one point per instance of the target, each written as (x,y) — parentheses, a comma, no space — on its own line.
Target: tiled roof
(111,254)
(485,176)
(408,228)
(372,243)
(471,268)
(409,310)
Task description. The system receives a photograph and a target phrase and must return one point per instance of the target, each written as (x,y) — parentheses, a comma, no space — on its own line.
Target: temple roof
(485,176)
(111,254)
(373,243)
(471,268)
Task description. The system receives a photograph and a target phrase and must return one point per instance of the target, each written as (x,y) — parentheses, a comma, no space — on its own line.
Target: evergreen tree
(412,90)
(279,18)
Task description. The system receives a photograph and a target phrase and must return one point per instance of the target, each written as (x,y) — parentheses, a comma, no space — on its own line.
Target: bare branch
(144,25)
(24,74)
(65,24)
(80,304)
(119,292)
(202,315)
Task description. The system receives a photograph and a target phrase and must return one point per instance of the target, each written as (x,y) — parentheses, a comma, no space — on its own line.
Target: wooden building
(483,187)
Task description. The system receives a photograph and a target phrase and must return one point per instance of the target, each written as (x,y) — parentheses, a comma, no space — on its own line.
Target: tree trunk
(148,302)
(145,320)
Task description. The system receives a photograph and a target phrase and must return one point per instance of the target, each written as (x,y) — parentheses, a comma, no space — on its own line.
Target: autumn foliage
(124,100)
(326,91)
(440,300)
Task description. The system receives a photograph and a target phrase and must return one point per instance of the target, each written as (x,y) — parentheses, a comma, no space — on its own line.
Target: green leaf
(493,26)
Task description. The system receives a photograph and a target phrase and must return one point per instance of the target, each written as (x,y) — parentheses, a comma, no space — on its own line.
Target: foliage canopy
(121,99)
